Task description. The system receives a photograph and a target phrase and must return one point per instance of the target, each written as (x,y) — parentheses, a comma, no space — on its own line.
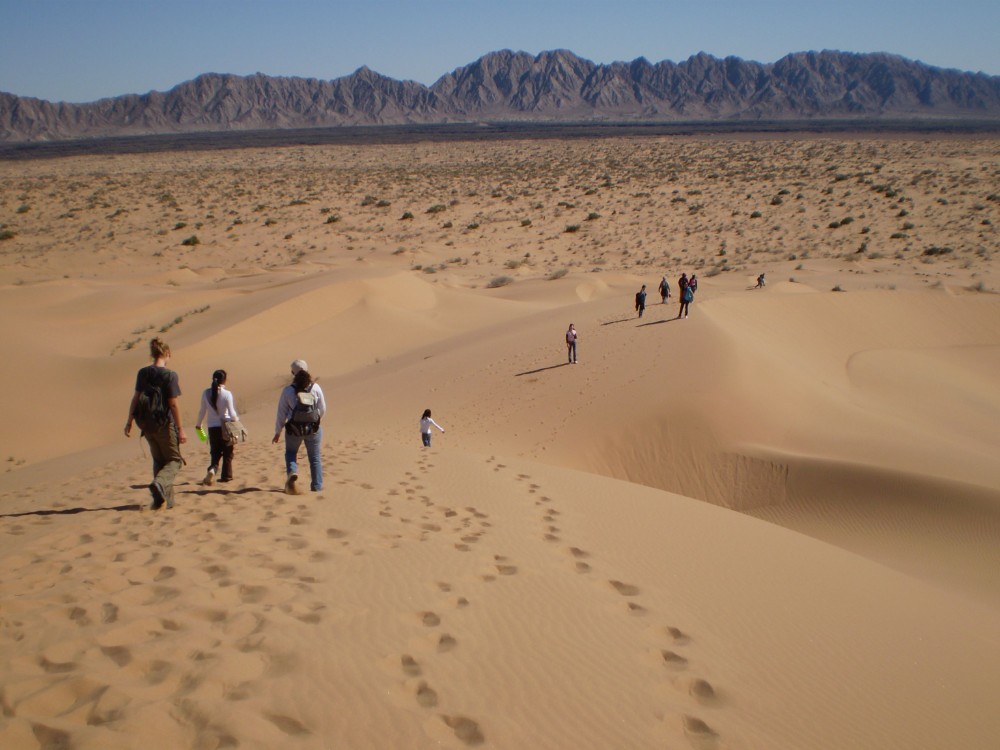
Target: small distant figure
(571,337)
(217,405)
(425,427)
(693,283)
(686,295)
(301,407)
(640,300)
(760,282)
(664,290)
(154,408)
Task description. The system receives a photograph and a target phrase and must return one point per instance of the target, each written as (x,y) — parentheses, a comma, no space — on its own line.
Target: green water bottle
(201,434)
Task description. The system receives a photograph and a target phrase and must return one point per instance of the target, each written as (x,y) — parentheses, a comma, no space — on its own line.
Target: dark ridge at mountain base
(401,134)
(552,87)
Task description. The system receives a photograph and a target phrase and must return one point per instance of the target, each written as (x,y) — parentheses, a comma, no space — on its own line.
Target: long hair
(218,378)
(427,414)
(302,380)
(158,348)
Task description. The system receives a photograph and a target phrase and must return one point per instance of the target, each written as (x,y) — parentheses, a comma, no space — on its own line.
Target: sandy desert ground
(773,524)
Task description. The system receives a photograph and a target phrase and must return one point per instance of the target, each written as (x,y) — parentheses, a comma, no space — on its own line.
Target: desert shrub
(499,281)
(847,220)
(777,200)
(6,234)
(525,222)
(180,225)
(383,204)
(572,228)
(593,216)
(837,288)
(908,225)
(557,274)
(473,225)
(332,219)
(23,208)
(191,241)
(756,215)
(269,222)
(938,251)
(325,210)
(513,264)
(447,225)
(834,224)
(430,269)
(897,236)
(436,208)
(406,215)
(298,202)
(369,200)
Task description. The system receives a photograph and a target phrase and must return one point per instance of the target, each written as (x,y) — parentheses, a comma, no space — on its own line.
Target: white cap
(299,365)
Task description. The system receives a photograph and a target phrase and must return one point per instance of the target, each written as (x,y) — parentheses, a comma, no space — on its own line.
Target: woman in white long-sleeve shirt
(425,427)
(217,405)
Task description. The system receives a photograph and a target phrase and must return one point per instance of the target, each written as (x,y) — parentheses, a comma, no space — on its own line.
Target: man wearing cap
(301,407)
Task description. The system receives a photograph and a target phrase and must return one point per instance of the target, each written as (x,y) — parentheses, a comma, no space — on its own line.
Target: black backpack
(305,415)
(151,411)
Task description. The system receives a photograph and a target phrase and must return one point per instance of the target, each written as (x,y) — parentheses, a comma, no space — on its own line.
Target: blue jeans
(426,437)
(313,442)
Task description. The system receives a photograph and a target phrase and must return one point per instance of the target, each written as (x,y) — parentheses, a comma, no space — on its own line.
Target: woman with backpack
(154,409)
(687,294)
(301,406)
(217,404)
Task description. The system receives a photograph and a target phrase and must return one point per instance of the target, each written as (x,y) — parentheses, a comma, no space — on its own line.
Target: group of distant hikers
(687,287)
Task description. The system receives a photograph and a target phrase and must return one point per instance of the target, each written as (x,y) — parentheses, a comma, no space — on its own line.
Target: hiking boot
(156,491)
(290,488)
(209,477)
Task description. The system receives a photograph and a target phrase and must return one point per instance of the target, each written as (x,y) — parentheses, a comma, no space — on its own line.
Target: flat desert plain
(772,524)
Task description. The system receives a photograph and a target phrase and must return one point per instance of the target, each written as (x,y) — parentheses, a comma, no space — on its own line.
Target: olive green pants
(166,452)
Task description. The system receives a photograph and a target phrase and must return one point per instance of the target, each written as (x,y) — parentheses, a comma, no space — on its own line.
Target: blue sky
(83,50)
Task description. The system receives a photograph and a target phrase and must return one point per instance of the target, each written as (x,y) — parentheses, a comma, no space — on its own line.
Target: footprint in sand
(426,696)
(702,691)
(625,589)
(288,725)
(699,734)
(410,666)
(465,729)
(429,619)
(672,659)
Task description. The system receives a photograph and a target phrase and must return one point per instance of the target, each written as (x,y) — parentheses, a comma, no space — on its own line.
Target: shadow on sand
(541,369)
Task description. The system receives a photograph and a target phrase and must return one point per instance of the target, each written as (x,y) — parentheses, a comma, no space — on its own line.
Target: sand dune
(773,524)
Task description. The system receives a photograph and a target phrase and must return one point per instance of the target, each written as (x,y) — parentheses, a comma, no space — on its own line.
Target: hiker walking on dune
(686,295)
(640,300)
(154,409)
(425,427)
(301,406)
(571,337)
(760,282)
(217,405)
(664,290)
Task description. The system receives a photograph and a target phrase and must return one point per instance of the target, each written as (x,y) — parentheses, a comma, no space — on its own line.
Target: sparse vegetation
(498,281)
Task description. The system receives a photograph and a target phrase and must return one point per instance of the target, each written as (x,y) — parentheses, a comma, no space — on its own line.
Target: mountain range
(554,86)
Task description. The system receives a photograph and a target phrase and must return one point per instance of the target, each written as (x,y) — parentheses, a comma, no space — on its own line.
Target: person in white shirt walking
(217,405)
(425,427)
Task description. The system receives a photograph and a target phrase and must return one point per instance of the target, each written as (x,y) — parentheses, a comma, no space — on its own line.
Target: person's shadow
(541,369)
(72,511)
